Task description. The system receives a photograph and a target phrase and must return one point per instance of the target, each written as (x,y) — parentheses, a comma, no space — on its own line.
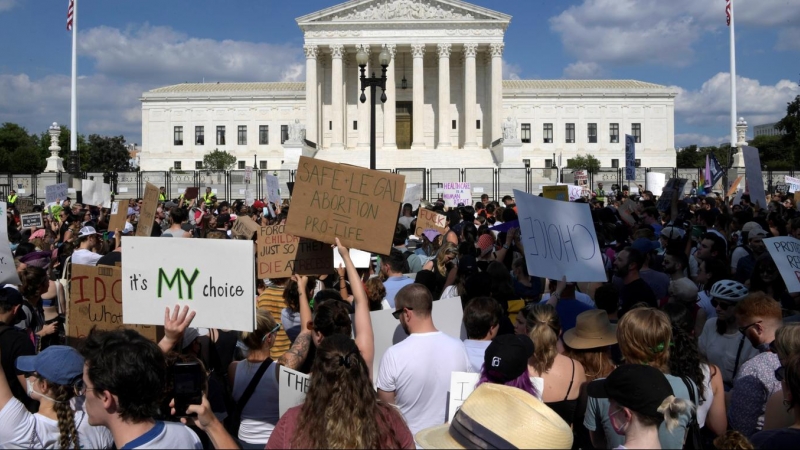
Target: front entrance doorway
(403,129)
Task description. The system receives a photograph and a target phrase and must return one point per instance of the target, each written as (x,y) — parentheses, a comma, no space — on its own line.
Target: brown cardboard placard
(191,193)
(24,204)
(357,205)
(95,301)
(245,227)
(119,217)
(427,219)
(734,186)
(281,254)
(147,215)
(560,192)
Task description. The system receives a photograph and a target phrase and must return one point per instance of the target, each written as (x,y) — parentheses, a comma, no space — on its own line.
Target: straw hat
(498,416)
(592,330)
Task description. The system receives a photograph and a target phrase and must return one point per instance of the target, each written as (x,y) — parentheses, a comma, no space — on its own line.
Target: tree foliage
(219,160)
(588,163)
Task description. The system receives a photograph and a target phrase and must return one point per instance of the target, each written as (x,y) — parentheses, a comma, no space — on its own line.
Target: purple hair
(523,381)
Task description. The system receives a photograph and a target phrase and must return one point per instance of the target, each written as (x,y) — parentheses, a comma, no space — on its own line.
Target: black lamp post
(372,83)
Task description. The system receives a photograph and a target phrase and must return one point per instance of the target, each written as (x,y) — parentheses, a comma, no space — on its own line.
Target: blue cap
(58,364)
(645,246)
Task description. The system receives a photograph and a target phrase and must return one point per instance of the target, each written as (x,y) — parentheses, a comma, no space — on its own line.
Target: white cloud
(757,103)
(702,140)
(581,70)
(161,55)
(6,5)
(511,71)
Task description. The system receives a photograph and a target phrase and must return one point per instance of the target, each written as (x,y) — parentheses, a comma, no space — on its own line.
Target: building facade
(447,103)
(766,130)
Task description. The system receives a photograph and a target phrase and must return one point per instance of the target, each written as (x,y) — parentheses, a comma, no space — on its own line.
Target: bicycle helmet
(729,290)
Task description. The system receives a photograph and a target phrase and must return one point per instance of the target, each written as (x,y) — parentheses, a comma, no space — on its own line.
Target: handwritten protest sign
(273,189)
(559,239)
(794,184)
(753,176)
(8,270)
(31,220)
(674,186)
(119,215)
(147,214)
(429,220)
(734,186)
(413,195)
(447,316)
(24,204)
(191,193)
(575,192)
(281,254)
(96,302)
(357,205)
(461,386)
(560,192)
(360,259)
(248,174)
(292,390)
(785,251)
(244,227)
(457,193)
(214,277)
(55,192)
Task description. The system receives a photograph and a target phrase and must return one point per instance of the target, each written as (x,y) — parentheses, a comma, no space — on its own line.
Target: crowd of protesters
(691,342)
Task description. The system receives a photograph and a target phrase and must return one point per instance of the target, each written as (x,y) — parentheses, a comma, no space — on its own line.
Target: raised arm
(297,354)
(174,326)
(365,338)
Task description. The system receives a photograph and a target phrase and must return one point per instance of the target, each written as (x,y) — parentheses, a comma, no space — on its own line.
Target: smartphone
(697,232)
(187,386)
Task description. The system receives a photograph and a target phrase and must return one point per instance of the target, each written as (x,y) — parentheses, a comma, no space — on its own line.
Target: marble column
(312,108)
(337,50)
(418,52)
(470,96)
(390,107)
(444,96)
(363,108)
(496,51)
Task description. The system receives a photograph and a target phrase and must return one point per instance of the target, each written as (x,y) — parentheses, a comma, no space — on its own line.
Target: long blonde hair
(544,327)
(444,250)
(673,408)
(264,324)
(644,336)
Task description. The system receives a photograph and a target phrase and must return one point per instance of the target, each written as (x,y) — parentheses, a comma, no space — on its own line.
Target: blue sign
(630,157)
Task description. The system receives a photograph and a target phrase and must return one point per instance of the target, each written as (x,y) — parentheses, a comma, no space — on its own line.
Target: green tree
(106,154)
(19,151)
(773,151)
(790,125)
(588,163)
(64,143)
(689,157)
(219,160)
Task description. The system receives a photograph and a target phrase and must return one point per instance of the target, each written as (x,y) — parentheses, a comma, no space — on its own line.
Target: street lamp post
(372,83)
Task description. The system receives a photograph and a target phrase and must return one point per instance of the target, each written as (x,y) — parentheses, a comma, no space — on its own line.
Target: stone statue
(297,131)
(510,129)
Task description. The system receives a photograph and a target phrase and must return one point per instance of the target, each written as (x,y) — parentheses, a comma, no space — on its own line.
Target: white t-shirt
(708,395)
(475,352)
(166,435)
(21,429)
(721,349)
(418,371)
(85,257)
(738,253)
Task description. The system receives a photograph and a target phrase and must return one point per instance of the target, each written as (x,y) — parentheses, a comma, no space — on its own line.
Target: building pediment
(360,11)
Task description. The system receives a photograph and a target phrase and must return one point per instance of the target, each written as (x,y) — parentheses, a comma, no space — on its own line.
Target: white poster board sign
(249,198)
(785,251)
(575,192)
(754,177)
(447,317)
(55,192)
(360,258)
(273,189)
(248,174)
(292,389)
(95,193)
(794,184)
(559,239)
(655,182)
(455,193)
(413,195)
(160,273)
(8,270)
(461,385)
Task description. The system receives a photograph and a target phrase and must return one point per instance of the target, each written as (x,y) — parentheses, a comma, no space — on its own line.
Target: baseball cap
(506,358)
(673,233)
(10,295)
(758,232)
(37,259)
(59,364)
(86,231)
(635,386)
(644,245)
(750,226)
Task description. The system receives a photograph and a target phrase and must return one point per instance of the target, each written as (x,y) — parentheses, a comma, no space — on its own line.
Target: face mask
(32,391)
(619,429)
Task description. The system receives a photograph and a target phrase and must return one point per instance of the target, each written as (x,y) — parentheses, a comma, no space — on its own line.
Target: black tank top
(566,408)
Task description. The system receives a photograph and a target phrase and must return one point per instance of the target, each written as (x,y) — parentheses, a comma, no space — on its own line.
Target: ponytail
(68,433)
(672,408)
(544,327)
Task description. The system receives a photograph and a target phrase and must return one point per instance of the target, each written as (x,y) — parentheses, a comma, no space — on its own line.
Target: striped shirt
(272,300)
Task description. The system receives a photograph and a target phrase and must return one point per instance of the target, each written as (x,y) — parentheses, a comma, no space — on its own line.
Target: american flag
(71,12)
(727,11)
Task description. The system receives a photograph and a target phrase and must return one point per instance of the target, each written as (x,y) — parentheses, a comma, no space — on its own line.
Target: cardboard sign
(457,193)
(119,215)
(734,186)
(793,183)
(461,386)
(280,254)
(212,276)
(244,227)
(361,260)
(191,193)
(8,270)
(785,251)
(95,301)
(447,316)
(559,239)
(429,220)
(55,192)
(357,205)
(292,390)
(655,182)
(665,198)
(147,213)
(24,204)
(796,199)
(31,220)
(560,192)
(754,177)
(413,195)
(273,189)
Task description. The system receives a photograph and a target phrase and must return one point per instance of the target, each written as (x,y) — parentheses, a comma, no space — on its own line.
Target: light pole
(372,83)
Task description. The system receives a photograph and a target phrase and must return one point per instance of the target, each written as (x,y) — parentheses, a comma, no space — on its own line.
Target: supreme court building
(447,102)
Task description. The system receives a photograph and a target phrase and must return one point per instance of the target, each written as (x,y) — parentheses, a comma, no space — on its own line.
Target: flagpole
(73,124)
(733,80)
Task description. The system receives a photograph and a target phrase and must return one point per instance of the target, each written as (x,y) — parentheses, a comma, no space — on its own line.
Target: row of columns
(444,51)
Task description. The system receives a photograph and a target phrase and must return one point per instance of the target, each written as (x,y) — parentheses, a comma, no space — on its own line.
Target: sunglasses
(743,330)
(272,331)
(780,373)
(722,305)
(397,313)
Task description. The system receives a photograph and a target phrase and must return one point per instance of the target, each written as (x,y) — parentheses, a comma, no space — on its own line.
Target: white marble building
(446,101)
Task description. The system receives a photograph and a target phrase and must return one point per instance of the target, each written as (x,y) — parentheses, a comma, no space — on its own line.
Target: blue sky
(128,47)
